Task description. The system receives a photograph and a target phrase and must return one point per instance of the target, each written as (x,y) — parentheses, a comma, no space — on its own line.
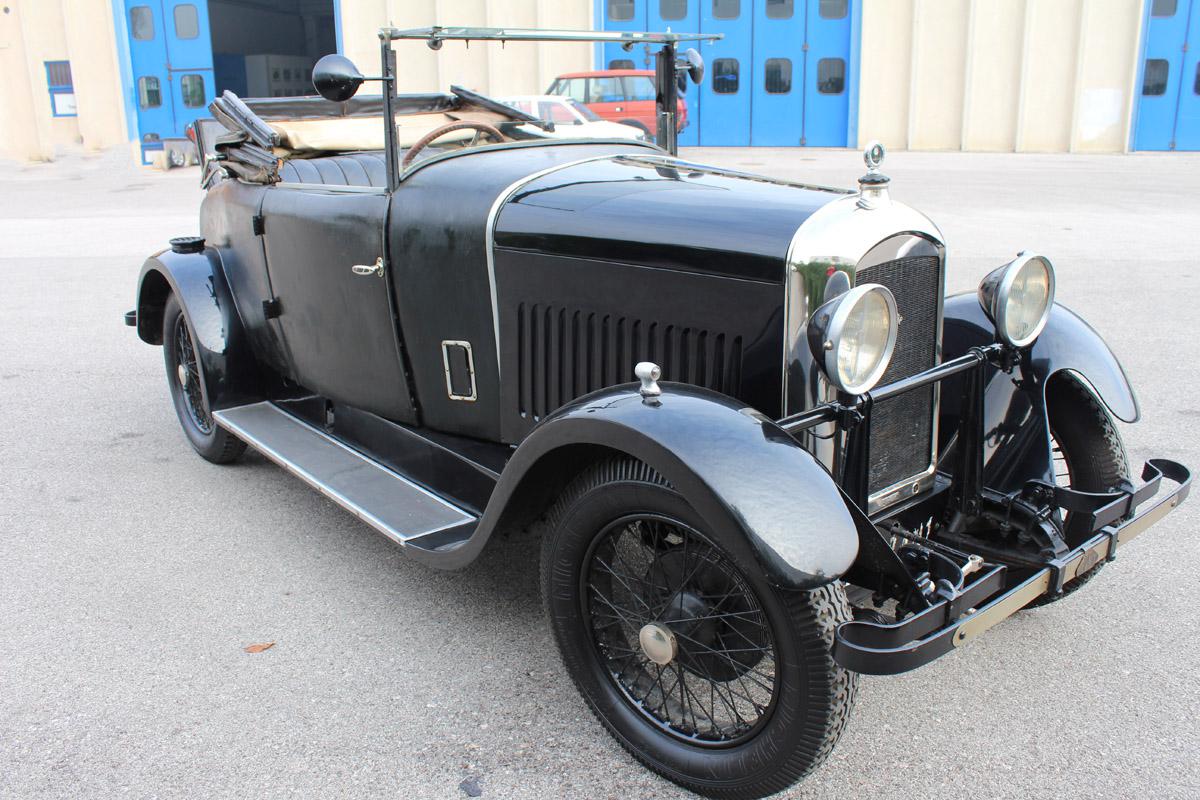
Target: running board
(400,509)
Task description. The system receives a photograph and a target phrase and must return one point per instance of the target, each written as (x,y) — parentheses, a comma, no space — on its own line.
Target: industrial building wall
(33,32)
(999,75)
(521,68)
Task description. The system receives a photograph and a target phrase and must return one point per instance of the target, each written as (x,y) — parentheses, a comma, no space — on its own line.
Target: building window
(726,9)
(831,75)
(149,93)
(833,9)
(620,10)
(1154,82)
(621,63)
(779,9)
(672,9)
(62,88)
(725,76)
(192,87)
(187,21)
(779,75)
(1163,8)
(141,23)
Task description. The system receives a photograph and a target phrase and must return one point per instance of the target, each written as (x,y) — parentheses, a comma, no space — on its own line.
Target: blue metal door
(724,117)
(625,15)
(777,118)
(170,52)
(827,73)
(1187,120)
(1167,89)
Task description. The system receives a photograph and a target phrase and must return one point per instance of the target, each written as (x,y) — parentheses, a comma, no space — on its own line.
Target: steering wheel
(424,141)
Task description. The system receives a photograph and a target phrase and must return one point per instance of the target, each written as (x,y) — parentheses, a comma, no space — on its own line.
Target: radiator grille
(565,353)
(902,427)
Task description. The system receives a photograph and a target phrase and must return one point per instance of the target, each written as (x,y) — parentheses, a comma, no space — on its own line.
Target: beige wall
(999,75)
(515,69)
(33,32)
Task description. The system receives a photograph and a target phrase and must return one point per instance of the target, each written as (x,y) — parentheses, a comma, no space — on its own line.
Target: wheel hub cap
(658,643)
(183,375)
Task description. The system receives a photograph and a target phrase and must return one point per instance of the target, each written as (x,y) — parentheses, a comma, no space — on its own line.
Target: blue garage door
(170,53)
(781,76)
(1168,114)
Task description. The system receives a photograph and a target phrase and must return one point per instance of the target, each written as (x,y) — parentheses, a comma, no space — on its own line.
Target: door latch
(369,269)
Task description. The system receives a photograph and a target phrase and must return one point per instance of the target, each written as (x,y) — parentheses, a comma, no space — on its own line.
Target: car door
(328,265)
(606,97)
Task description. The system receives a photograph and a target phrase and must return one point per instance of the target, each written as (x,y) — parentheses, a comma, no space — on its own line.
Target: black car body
(446,350)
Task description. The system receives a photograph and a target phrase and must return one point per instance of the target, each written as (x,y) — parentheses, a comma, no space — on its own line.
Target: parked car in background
(620,95)
(572,119)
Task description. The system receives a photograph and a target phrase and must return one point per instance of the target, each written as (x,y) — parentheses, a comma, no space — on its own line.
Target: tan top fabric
(346,134)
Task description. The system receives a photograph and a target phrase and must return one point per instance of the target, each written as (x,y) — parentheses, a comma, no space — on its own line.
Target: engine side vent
(564,353)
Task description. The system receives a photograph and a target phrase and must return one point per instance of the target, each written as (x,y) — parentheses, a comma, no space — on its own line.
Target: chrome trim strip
(490,233)
(337,497)
(446,345)
(324,187)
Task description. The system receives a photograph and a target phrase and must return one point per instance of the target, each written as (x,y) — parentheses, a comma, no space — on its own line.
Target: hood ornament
(873,187)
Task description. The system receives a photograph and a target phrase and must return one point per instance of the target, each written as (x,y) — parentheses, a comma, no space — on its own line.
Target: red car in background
(620,95)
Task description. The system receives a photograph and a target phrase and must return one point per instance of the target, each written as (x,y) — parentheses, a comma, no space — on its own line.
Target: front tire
(210,440)
(698,667)
(1089,456)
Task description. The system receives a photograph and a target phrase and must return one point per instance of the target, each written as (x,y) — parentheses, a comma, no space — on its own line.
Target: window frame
(844,77)
(133,28)
(60,88)
(663,16)
(737,11)
(1166,77)
(737,74)
(158,88)
(609,5)
(195,19)
(183,92)
(766,75)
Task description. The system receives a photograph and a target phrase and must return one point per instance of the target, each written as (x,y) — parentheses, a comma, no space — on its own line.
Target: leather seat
(351,169)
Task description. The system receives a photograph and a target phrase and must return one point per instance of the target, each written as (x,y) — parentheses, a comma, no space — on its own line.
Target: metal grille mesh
(902,427)
(565,353)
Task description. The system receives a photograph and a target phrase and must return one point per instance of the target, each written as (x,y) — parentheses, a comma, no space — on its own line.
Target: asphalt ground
(133,574)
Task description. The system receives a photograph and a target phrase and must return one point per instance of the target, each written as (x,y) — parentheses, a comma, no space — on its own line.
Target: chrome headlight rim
(995,291)
(827,338)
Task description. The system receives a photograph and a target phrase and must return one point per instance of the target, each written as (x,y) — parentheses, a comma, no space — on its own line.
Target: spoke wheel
(679,630)
(188,375)
(185,378)
(696,664)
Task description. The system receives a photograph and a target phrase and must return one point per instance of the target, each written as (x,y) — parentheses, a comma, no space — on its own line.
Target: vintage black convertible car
(824,466)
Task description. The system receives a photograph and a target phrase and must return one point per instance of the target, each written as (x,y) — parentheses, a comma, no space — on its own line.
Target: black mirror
(336,78)
(694,63)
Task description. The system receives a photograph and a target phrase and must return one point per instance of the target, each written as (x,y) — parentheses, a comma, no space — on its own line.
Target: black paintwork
(614,255)
(1016,441)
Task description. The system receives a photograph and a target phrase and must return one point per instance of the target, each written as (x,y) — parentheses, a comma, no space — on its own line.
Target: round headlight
(1018,297)
(853,336)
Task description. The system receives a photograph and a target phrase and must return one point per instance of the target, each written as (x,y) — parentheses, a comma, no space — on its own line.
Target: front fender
(198,282)
(1016,432)
(777,508)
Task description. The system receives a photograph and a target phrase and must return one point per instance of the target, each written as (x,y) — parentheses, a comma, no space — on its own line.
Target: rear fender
(1016,431)
(779,509)
(198,281)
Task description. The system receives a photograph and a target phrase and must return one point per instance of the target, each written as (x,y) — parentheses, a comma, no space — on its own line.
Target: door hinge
(272,308)
(257,224)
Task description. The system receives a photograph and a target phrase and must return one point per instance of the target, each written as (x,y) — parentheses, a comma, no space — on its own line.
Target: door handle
(618,109)
(369,269)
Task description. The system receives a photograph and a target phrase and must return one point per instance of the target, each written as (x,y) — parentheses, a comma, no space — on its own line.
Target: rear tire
(1089,456)
(618,544)
(210,440)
